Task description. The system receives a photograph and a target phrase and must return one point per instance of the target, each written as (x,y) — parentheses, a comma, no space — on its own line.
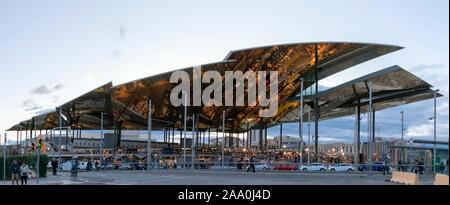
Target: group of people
(19,172)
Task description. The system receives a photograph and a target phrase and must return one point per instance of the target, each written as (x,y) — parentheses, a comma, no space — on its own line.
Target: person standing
(54,166)
(24,173)
(15,172)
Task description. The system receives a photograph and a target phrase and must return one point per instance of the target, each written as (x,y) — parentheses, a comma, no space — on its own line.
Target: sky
(54,51)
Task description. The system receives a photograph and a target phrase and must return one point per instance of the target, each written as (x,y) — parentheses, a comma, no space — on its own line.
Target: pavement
(219,177)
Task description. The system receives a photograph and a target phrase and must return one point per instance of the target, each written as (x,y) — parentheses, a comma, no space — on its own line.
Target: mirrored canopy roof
(126,105)
(391,87)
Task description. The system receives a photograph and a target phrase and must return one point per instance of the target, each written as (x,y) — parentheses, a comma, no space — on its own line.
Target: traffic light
(33,146)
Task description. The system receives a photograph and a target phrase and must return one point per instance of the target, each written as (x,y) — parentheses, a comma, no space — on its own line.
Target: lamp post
(434,132)
(223,139)
(149,137)
(184,134)
(369,119)
(4,159)
(59,139)
(301,122)
(193,142)
(101,139)
(403,129)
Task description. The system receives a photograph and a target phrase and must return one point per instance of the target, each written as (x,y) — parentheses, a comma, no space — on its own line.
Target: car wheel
(349,170)
(304,169)
(322,169)
(292,169)
(332,170)
(276,169)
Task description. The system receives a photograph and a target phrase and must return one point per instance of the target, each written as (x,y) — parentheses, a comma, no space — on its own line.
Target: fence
(283,166)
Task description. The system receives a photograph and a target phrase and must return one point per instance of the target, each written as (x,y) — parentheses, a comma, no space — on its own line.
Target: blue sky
(54,51)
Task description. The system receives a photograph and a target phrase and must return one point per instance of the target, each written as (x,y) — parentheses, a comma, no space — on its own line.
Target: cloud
(40,90)
(58,87)
(115,54)
(30,105)
(36,107)
(122,32)
(46,89)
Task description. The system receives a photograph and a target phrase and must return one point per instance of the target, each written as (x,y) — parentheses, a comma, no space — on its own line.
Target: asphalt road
(209,177)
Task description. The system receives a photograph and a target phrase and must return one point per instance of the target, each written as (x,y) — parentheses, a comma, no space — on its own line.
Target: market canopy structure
(125,106)
(292,61)
(391,87)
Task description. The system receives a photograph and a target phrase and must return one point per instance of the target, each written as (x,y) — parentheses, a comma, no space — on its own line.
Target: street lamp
(434,122)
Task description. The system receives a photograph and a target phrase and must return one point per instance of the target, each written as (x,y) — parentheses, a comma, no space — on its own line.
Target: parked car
(314,167)
(376,166)
(123,166)
(108,166)
(172,165)
(83,165)
(341,168)
(142,166)
(132,166)
(264,166)
(291,167)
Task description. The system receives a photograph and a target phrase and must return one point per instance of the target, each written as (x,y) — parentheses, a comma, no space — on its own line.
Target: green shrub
(30,160)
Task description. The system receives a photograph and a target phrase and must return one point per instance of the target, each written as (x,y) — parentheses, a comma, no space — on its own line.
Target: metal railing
(283,166)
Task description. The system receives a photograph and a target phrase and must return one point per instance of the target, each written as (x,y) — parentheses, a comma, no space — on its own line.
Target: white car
(264,166)
(313,167)
(341,168)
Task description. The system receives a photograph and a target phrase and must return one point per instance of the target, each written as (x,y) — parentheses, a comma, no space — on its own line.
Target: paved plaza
(217,177)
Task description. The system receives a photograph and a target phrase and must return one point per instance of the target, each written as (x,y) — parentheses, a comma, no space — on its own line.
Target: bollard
(441,179)
(405,178)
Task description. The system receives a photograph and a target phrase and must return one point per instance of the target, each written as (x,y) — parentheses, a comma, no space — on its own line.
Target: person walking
(386,166)
(252,164)
(54,166)
(96,165)
(15,168)
(421,166)
(88,166)
(24,169)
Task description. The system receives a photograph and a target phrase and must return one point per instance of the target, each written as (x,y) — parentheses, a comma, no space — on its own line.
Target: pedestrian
(386,166)
(416,167)
(54,166)
(252,164)
(88,166)
(24,173)
(421,166)
(15,172)
(96,165)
